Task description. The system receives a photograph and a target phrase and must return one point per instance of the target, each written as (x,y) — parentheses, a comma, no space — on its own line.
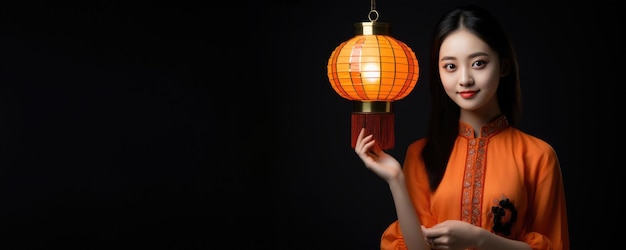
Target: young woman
(475,181)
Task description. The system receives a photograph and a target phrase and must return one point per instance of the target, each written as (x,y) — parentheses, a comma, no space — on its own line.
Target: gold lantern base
(377,118)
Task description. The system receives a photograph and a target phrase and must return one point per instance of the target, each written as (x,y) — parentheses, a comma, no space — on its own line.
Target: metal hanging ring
(373,13)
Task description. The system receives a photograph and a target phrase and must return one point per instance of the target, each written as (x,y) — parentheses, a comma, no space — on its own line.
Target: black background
(192,125)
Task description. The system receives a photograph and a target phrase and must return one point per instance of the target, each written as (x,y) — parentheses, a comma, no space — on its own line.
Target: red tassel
(379,124)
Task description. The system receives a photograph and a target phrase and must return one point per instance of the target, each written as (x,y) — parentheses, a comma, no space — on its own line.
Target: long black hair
(444,114)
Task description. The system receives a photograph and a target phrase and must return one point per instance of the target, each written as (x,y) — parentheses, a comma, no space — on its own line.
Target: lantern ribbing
(373,69)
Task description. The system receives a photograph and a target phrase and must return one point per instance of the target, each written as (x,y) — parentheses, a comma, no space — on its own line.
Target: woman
(475,181)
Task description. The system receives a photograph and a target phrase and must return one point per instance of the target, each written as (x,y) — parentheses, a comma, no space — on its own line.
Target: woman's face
(470,72)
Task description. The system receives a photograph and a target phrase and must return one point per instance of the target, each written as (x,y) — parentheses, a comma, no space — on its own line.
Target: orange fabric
(503,163)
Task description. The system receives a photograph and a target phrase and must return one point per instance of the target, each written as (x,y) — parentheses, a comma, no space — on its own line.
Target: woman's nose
(466,79)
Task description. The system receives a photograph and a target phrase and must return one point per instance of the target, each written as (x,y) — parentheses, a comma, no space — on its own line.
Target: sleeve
(547,215)
(417,184)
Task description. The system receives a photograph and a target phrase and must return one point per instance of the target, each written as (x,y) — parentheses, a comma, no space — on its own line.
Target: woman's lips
(468,94)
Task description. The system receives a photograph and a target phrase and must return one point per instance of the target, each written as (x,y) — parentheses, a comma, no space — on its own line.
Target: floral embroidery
(504,217)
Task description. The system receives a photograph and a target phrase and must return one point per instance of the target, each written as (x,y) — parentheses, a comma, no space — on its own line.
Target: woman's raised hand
(377,160)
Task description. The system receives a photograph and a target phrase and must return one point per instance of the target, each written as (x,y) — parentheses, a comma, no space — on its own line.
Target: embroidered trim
(473,180)
(488,130)
(493,127)
(475,167)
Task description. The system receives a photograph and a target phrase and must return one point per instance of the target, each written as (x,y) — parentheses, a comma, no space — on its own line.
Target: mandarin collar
(492,128)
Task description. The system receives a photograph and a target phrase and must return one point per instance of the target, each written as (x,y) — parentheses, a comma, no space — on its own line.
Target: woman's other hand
(452,234)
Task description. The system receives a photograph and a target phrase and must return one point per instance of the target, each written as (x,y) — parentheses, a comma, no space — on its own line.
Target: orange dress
(505,181)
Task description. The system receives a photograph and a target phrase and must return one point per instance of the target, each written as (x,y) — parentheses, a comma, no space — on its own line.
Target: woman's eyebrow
(477,54)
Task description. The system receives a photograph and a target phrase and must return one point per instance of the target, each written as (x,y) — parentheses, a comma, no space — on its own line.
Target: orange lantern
(373,70)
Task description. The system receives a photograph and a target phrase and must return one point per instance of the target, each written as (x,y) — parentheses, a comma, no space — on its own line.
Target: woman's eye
(479,64)
(449,66)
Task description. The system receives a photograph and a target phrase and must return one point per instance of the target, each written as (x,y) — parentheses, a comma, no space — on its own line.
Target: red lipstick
(468,94)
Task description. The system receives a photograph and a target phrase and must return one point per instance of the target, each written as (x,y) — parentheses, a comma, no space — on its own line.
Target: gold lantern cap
(373,28)
(371,107)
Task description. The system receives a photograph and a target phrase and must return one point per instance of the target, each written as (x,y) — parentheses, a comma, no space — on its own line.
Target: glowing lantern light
(373,69)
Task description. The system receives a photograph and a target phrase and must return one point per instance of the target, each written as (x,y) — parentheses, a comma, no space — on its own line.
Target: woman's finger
(359,139)
(362,143)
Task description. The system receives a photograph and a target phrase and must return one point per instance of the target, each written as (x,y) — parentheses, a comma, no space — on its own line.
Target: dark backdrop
(125,125)
(181,125)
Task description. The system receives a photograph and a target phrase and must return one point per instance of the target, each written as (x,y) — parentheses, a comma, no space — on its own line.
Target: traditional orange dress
(505,181)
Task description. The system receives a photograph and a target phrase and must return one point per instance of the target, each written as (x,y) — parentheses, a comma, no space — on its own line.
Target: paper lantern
(373,70)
